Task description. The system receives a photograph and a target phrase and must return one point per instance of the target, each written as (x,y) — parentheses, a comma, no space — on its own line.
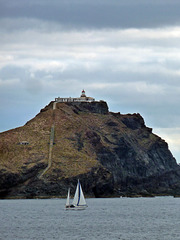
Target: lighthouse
(83,93)
(82,98)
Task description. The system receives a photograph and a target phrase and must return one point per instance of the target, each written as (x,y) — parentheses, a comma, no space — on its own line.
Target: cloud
(96,14)
(141,63)
(9,82)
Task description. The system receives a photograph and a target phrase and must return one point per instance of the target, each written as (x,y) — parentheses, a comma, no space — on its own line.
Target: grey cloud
(11,72)
(96,14)
(20,78)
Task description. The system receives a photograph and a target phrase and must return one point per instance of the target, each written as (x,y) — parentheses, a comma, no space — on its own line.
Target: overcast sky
(126,52)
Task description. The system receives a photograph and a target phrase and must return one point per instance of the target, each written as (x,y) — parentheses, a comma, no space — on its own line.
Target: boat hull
(76,208)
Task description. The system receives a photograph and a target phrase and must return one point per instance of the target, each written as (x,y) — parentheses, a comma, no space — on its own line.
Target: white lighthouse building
(82,98)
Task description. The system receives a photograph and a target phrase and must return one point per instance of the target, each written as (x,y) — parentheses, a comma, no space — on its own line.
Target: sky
(126,52)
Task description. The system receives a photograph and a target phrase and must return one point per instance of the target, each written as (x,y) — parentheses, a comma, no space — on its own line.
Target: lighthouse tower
(83,93)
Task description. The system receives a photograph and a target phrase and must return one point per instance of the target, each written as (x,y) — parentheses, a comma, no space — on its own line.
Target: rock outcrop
(112,154)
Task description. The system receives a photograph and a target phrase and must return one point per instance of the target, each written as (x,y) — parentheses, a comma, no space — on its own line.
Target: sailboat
(79,202)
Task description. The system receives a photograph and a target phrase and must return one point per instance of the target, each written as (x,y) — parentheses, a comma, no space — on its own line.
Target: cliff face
(112,154)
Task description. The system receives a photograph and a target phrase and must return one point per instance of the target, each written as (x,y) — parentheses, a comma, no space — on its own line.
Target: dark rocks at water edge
(112,154)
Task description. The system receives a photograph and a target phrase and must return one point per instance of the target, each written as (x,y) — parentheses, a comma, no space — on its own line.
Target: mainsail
(79,199)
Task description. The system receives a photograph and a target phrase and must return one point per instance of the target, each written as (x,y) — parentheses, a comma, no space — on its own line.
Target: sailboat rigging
(79,202)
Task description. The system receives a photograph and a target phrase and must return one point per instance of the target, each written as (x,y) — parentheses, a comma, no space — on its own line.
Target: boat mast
(79,192)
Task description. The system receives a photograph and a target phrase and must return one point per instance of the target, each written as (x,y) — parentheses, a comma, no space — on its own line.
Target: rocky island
(111,153)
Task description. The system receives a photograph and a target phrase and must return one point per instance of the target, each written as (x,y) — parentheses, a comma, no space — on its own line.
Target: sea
(105,218)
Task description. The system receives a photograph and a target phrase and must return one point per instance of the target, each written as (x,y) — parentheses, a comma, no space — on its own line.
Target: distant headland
(112,154)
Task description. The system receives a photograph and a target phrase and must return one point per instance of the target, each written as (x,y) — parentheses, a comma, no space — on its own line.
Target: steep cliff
(112,154)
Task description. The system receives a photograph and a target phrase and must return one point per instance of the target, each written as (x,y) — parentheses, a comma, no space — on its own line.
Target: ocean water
(109,218)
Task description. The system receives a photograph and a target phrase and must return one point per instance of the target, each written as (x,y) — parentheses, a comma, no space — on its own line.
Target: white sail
(79,199)
(82,200)
(75,200)
(68,197)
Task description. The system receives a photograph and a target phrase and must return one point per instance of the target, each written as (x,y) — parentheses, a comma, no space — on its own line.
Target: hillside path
(51,143)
